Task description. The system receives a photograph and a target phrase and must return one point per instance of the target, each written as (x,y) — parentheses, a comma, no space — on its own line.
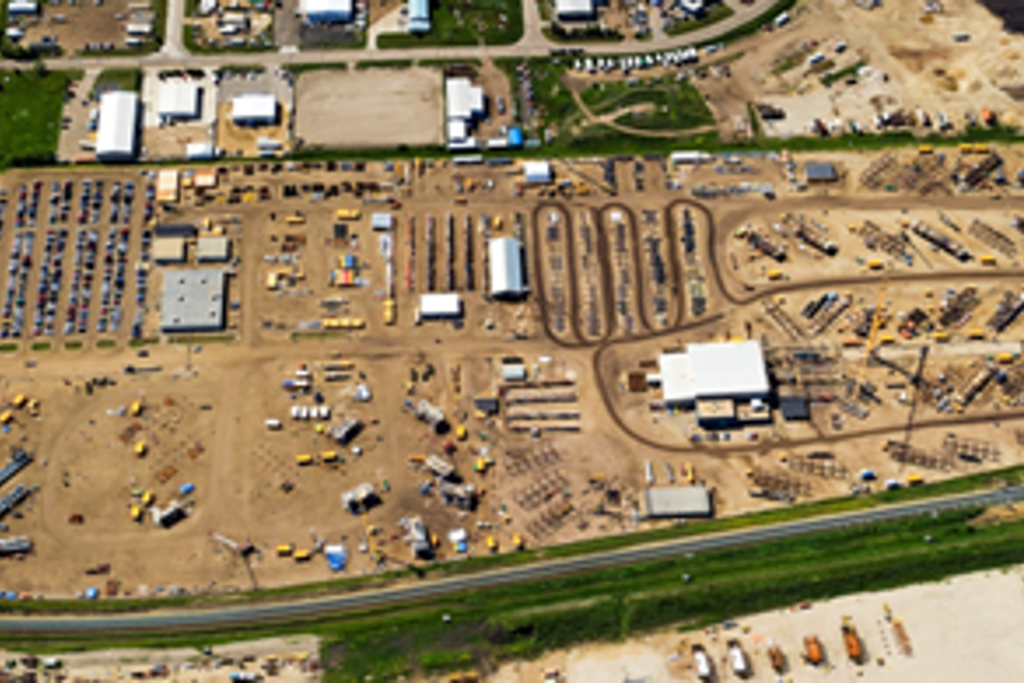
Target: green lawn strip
(445,63)
(464,22)
(591,33)
(31,104)
(106,344)
(129,80)
(73,346)
(203,339)
(384,64)
(139,343)
(240,69)
(711,16)
(755,121)
(41,346)
(9,348)
(842,74)
(676,106)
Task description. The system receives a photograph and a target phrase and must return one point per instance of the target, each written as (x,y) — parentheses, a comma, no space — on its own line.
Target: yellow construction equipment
(492,544)
(136,408)
(389,312)
(136,512)
(140,448)
(349,214)
(461,433)
(6,417)
(690,474)
(329,456)
(517,541)
(876,324)
(303,460)
(285,549)
(19,401)
(147,498)
(295,219)
(301,555)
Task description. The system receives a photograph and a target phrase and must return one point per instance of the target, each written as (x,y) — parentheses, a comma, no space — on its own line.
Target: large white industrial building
(254,109)
(575,10)
(464,104)
(726,383)
(505,256)
(117,136)
(327,11)
(179,99)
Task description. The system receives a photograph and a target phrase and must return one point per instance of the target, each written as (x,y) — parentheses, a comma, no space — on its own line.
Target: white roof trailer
(119,124)
(254,109)
(506,262)
(437,306)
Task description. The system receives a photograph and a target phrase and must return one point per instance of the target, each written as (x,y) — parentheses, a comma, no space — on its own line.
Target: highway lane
(340,604)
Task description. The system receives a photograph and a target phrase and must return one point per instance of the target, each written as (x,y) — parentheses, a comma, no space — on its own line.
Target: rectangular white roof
(199,150)
(537,171)
(506,261)
(22,7)
(574,8)
(441,305)
(254,107)
(118,128)
(179,98)
(464,100)
(327,6)
(457,130)
(714,370)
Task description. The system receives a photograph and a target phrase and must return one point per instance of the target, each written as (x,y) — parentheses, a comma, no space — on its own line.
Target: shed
(167,185)
(513,370)
(487,404)
(537,172)
(199,151)
(382,221)
(433,306)
(216,249)
(117,137)
(794,408)
(169,250)
(254,109)
(505,256)
(419,16)
(22,7)
(179,99)
(677,501)
(458,130)
(575,10)
(327,11)
(821,172)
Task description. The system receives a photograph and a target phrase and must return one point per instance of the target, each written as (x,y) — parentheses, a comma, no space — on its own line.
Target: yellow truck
(349,214)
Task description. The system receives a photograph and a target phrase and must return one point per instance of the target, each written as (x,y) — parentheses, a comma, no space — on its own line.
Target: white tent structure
(117,137)
(506,263)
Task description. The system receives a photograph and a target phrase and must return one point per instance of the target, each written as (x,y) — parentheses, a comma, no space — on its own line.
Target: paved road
(339,604)
(532,43)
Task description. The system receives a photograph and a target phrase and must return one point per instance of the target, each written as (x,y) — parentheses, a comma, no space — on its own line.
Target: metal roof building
(216,249)
(505,256)
(464,100)
(192,301)
(818,172)
(419,16)
(715,370)
(22,7)
(169,250)
(677,501)
(575,10)
(434,306)
(179,99)
(327,11)
(117,138)
(254,109)
(537,172)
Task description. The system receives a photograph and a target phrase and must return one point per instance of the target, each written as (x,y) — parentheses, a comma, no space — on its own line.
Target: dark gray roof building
(819,172)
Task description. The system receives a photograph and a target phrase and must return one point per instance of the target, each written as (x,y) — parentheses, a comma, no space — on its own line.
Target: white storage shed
(505,256)
(117,137)
(438,306)
(254,109)
(537,172)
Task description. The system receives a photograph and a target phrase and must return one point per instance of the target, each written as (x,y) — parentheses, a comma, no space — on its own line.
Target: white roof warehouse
(506,260)
(714,371)
(117,137)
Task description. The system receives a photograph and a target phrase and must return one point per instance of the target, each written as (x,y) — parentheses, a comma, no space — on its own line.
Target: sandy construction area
(962,629)
(372,108)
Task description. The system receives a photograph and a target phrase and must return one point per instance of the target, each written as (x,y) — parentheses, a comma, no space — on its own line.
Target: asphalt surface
(340,604)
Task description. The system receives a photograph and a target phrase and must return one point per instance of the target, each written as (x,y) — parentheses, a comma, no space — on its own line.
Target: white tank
(272,424)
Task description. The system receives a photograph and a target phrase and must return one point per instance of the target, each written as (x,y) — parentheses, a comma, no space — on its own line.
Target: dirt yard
(79,26)
(371,108)
(243,141)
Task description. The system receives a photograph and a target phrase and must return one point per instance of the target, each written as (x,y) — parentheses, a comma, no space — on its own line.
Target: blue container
(515,137)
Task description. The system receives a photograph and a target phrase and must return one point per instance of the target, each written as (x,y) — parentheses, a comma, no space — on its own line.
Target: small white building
(575,10)
(17,8)
(440,306)
(118,133)
(505,256)
(254,109)
(179,99)
(458,131)
(537,172)
(199,151)
(327,11)
(382,222)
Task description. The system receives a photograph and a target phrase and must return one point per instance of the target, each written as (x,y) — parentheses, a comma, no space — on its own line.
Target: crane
(876,324)
(915,383)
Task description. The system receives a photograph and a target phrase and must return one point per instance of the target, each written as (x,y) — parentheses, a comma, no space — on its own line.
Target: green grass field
(672,106)
(464,22)
(129,80)
(30,112)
